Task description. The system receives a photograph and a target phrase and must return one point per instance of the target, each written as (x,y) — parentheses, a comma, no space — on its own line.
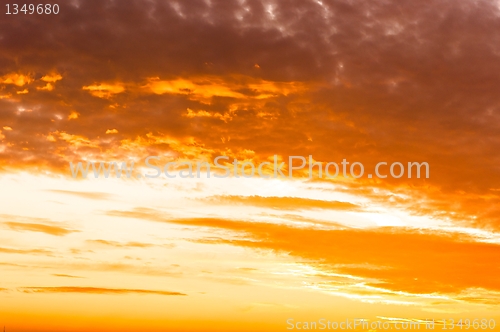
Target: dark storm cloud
(381,81)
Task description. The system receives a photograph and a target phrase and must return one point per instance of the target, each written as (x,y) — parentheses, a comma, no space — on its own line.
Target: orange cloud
(51,78)
(395,259)
(121,245)
(283,203)
(73,115)
(144,270)
(75,140)
(16,79)
(104,90)
(237,87)
(47,229)
(400,260)
(96,290)
(47,87)
(201,88)
(25,252)
(84,194)
(65,276)
(140,213)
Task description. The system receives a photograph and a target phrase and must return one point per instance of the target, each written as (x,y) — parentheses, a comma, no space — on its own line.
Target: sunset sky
(187,81)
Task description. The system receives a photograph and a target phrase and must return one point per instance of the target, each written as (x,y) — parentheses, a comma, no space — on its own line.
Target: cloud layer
(371,81)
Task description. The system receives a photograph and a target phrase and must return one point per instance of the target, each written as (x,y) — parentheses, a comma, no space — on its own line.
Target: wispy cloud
(283,203)
(25,251)
(141,213)
(96,290)
(65,276)
(83,194)
(121,245)
(47,229)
